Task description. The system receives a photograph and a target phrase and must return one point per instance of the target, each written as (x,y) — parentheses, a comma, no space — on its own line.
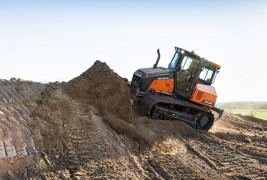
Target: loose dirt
(103,89)
(84,129)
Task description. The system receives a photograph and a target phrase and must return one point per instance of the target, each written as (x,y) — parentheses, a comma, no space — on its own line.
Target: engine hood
(155,72)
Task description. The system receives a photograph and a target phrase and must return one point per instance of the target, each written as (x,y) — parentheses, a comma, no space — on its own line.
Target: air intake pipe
(156,64)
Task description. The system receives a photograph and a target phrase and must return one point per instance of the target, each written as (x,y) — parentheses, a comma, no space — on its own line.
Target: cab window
(207,72)
(186,74)
(174,60)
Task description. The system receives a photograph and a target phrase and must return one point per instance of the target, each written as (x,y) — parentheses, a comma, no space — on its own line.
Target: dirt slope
(84,129)
(18,99)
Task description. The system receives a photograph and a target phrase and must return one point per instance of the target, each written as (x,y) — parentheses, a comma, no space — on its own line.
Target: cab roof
(197,56)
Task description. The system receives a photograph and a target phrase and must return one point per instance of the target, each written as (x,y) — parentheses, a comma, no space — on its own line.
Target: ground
(87,129)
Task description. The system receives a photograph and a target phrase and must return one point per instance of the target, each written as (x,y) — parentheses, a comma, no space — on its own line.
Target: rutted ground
(17,100)
(84,129)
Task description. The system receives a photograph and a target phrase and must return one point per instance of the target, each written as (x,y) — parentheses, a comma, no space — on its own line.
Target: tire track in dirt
(233,157)
(15,136)
(80,141)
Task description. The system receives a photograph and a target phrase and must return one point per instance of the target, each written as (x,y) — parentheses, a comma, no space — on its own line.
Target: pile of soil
(83,129)
(102,88)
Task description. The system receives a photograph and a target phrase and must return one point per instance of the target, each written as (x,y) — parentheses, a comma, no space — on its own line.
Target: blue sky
(58,40)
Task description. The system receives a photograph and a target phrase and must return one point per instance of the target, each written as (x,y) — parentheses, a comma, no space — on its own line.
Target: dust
(142,134)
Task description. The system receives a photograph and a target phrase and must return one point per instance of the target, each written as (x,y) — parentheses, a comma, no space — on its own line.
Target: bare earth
(87,129)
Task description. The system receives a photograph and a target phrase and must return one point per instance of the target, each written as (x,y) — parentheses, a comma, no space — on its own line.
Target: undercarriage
(172,108)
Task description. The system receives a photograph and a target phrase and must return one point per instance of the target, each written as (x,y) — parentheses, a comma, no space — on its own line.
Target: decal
(163,78)
(207,102)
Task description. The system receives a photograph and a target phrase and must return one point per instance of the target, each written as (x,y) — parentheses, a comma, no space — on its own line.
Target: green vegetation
(253,109)
(248,140)
(261,113)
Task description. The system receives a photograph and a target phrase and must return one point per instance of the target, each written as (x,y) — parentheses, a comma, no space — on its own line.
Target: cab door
(186,76)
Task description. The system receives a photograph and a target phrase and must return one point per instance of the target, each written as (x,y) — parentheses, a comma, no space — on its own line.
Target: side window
(189,65)
(206,73)
(175,60)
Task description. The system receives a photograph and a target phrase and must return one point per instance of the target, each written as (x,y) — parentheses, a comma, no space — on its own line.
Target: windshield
(175,60)
(207,73)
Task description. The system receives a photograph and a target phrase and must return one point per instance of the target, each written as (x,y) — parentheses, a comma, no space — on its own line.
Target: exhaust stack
(156,64)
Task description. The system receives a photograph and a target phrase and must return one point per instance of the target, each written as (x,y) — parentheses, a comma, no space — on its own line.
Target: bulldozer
(183,91)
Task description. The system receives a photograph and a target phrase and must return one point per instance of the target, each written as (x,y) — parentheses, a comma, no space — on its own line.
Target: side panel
(204,94)
(165,85)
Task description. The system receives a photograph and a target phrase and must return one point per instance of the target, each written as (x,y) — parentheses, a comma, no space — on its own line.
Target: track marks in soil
(17,100)
(230,159)
(90,148)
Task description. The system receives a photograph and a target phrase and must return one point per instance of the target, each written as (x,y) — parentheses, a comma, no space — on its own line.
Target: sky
(57,40)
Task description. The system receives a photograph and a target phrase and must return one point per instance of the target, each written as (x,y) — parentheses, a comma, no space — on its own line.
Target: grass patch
(259,113)
(262,115)
(248,140)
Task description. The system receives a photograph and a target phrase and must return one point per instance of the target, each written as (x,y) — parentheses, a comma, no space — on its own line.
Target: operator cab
(189,70)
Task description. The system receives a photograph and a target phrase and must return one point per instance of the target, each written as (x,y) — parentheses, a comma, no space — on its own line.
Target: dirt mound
(104,89)
(74,142)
